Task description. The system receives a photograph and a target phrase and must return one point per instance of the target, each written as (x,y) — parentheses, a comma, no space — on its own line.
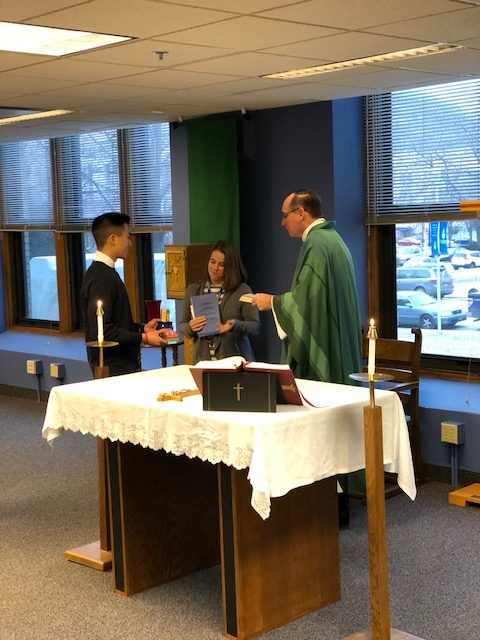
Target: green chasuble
(320,314)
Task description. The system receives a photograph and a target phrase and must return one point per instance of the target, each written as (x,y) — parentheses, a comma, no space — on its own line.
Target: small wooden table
(174,347)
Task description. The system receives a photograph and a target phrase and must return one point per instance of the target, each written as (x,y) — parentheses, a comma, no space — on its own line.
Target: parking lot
(463,339)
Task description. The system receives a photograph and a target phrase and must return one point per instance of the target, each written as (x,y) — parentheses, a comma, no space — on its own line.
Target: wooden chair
(401,359)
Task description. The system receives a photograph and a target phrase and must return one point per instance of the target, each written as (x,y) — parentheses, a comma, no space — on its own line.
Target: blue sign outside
(442,235)
(438,238)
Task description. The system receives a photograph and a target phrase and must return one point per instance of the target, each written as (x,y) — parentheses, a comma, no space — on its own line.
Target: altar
(254,491)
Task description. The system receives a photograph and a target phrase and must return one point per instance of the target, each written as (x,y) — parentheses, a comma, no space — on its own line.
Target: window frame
(138,267)
(382,249)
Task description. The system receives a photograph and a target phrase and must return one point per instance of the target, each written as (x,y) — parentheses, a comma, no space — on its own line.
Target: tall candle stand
(98,555)
(377,534)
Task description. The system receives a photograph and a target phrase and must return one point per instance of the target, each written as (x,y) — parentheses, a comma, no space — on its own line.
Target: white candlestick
(372,334)
(100,322)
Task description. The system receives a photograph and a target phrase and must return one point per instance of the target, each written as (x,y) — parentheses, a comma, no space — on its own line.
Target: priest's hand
(263,301)
(151,325)
(227,326)
(197,324)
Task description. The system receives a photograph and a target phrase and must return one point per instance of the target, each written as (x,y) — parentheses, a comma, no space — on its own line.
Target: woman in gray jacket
(225,277)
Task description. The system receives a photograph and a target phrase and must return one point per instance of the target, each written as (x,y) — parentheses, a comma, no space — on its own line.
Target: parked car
(404,253)
(474,303)
(465,258)
(421,261)
(418,309)
(408,242)
(468,244)
(424,279)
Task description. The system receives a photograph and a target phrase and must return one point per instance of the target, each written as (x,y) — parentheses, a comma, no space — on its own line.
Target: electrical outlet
(35,367)
(452,432)
(57,370)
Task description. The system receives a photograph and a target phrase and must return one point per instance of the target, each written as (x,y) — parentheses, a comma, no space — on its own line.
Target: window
(26,189)
(27,202)
(424,149)
(50,191)
(40,276)
(147,183)
(423,159)
(89,177)
(159,240)
(436,292)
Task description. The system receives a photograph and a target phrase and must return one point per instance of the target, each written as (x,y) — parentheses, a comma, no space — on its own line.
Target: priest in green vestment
(319,319)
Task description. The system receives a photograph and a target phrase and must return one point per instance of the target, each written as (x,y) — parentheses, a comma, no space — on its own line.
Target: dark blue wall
(317,146)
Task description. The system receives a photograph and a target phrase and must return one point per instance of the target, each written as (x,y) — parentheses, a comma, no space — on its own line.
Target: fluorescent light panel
(34,116)
(49,41)
(359,62)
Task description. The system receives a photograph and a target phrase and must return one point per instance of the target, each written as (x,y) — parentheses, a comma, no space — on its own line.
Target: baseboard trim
(444,474)
(21,392)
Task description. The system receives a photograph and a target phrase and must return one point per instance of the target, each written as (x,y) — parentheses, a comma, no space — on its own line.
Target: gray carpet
(48,504)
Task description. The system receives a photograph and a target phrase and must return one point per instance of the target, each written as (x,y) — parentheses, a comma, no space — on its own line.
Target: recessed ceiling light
(359,62)
(34,116)
(49,41)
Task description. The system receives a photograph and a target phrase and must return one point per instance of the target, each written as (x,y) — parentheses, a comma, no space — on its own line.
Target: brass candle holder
(371,379)
(100,346)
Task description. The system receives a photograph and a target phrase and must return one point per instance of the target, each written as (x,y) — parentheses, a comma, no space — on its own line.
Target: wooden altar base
(394,635)
(90,555)
(466,495)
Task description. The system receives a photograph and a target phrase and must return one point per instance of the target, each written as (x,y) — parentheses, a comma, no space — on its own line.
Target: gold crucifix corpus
(238,388)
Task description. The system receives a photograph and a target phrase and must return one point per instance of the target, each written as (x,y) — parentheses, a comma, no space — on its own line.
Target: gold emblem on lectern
(175,272)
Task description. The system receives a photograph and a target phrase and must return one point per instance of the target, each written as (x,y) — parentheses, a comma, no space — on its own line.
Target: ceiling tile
(251,64)
(346,46)
(173,79)
(217,51)
(447,27)
(142,19)
(346,14)
(31,9)
(140,53)
(75,71)
(246,32)
(243,7)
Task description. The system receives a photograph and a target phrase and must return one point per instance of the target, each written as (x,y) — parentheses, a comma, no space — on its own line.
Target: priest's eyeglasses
(285,214)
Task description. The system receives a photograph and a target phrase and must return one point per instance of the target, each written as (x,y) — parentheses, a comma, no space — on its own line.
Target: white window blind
(26,185)
(147,176)
(88,176)
(423,149)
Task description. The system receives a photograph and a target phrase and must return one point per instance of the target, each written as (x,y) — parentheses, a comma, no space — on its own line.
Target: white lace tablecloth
(291,448)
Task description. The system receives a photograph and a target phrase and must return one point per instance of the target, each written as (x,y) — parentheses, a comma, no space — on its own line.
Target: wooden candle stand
(377,534)
(98,555)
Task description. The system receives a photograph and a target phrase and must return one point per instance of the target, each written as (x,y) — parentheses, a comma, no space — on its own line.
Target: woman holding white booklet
(226,279)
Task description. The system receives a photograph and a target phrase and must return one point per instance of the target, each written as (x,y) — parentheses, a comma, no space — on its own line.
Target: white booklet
(206,305)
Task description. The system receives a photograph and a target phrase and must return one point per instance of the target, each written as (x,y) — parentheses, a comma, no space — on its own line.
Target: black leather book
(239,391)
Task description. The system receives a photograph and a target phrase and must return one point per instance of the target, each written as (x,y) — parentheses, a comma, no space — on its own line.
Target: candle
(100,322)
(372,335)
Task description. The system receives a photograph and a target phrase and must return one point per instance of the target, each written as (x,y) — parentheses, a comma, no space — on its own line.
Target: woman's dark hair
(234,271)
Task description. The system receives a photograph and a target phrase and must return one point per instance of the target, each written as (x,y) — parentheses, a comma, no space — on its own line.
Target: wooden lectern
(184,264)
